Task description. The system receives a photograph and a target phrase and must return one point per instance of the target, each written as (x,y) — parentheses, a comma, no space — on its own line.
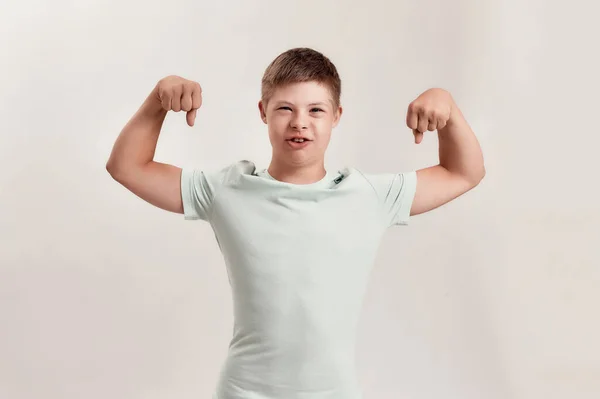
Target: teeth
(299,140)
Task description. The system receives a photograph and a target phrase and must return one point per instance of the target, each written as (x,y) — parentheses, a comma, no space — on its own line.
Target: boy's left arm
(461,166)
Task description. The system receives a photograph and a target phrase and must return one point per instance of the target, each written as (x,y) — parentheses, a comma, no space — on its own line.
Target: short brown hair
(301,65)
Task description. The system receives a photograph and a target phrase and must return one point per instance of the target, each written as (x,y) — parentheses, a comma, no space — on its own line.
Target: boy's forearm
(136,144)
(459,149)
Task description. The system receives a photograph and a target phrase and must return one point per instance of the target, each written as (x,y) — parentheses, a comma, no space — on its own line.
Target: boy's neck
(297,174)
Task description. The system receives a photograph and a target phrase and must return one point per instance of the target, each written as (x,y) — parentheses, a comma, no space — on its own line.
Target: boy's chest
(283,225)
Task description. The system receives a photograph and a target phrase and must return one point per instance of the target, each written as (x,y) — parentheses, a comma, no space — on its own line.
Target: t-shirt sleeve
(395,192)
(198,190)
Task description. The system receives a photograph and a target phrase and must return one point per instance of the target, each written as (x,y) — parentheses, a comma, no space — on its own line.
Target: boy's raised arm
(461,165)
(131,161)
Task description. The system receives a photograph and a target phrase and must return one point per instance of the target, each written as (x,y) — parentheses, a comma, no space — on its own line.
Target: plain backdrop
(492,296)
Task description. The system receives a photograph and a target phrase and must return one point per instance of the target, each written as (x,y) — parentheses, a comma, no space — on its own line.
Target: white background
(494,295)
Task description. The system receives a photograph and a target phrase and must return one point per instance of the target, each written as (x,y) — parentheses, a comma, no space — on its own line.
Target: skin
(305,109)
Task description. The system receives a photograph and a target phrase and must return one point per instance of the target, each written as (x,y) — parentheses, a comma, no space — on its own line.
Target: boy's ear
(263,111)
(337,116)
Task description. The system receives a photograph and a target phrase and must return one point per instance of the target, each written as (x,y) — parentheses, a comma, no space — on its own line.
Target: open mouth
(298,140)
(298,143)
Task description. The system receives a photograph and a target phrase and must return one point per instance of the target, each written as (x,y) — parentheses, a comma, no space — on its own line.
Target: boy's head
(300,97)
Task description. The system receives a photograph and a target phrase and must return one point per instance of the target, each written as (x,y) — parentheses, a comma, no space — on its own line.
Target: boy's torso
(298,260)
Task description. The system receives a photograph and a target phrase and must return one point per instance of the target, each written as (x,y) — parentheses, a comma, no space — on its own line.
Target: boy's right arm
(131,161)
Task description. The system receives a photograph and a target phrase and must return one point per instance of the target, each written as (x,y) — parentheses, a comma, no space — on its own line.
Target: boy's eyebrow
(310,105)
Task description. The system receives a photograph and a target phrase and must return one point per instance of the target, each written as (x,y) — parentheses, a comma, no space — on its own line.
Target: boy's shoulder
(231,170)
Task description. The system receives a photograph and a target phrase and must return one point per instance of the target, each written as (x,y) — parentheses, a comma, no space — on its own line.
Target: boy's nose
(298,123)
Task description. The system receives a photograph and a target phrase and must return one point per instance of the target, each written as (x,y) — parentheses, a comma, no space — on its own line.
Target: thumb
(191,116)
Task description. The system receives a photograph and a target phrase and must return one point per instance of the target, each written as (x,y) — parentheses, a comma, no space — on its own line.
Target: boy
(298,240)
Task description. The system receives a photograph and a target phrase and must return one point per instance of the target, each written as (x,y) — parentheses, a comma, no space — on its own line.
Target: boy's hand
(430,111)
(178,94)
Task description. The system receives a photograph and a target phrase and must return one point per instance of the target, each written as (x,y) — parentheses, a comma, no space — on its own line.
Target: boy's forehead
(302,93)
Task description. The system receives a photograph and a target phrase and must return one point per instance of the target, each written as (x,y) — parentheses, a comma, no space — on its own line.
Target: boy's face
(300,110)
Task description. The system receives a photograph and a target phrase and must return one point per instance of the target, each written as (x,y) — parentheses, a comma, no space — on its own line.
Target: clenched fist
(430,111)
(178,94)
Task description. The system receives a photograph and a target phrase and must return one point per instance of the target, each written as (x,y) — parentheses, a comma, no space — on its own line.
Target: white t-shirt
(298,258)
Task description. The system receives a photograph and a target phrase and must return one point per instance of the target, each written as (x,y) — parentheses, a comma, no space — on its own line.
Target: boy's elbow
(110,167)
(113,169)
(479,177)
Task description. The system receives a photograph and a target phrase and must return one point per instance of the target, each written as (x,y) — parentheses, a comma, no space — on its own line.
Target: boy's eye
(312,109)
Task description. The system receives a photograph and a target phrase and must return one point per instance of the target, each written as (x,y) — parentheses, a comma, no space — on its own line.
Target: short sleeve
(198,190)
(396,192)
